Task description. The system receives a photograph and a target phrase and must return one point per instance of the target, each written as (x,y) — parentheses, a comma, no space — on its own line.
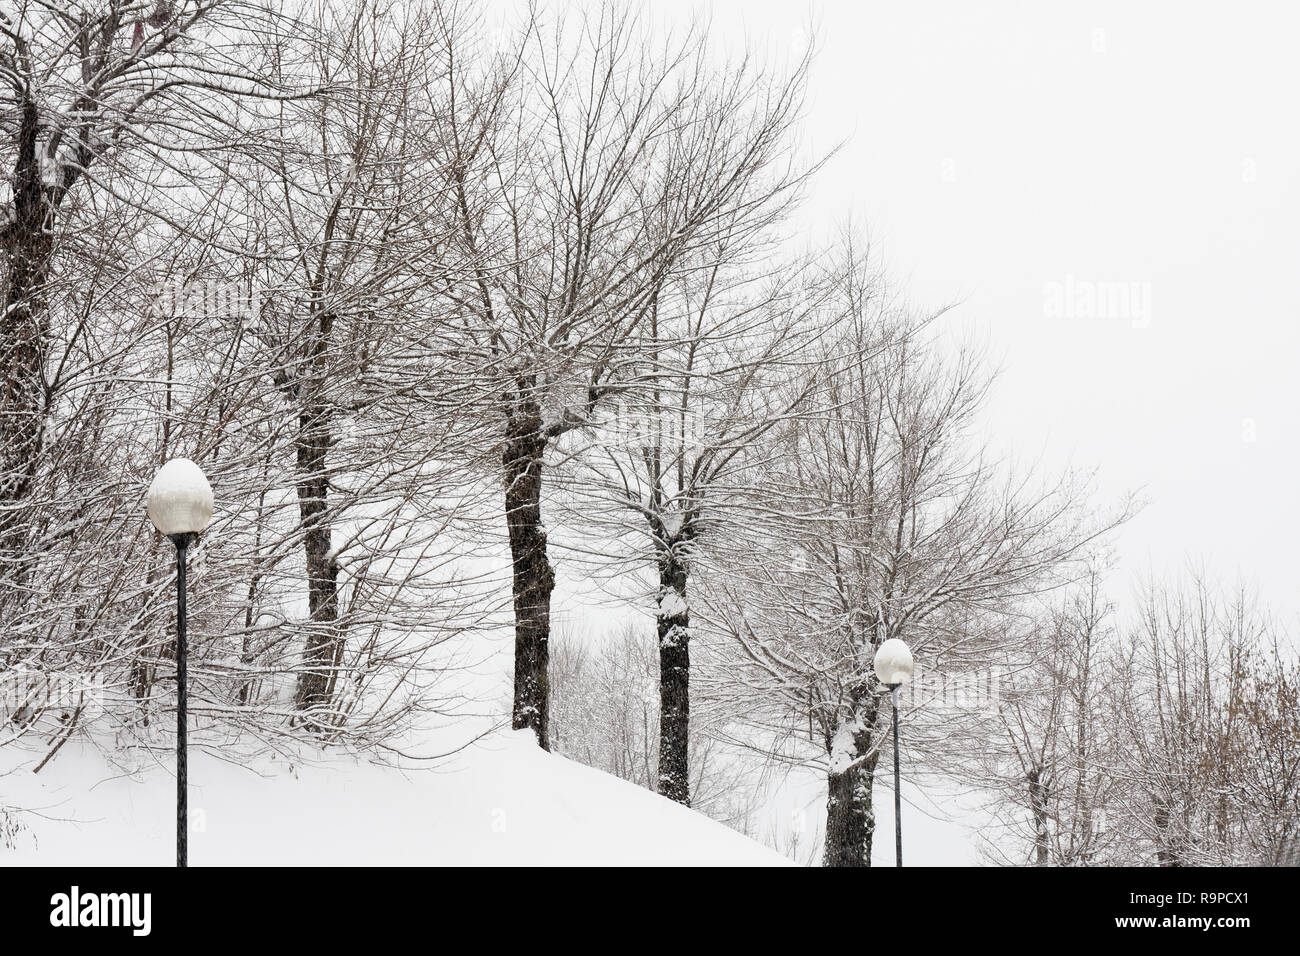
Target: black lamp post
(893,665)
(180,506)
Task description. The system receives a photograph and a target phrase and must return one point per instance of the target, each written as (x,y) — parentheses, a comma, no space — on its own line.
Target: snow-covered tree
(676,459)
(584,183)
(1202,710)
(1053,750)
(96,100)
(899,525)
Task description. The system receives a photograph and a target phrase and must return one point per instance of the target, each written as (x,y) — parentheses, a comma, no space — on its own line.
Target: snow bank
(501,801)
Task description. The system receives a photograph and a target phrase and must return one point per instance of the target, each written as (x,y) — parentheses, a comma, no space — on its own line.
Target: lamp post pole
(893,666)
(180,506)
(182,542)
(898,791)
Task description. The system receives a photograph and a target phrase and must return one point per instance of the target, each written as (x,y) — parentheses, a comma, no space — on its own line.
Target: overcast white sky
(1001,152)
(1016,157)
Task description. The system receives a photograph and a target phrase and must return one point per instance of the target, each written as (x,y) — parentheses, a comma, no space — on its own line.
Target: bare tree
(899,526)
(272,314)
(1266,770)
(610,160)
(87,93)
(1167,739)
(105,110)
(1198,715)
(348,211)
(1059,753)
(674,464)
(345,218)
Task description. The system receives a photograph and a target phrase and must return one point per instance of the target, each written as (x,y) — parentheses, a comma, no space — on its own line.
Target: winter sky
(1110,194)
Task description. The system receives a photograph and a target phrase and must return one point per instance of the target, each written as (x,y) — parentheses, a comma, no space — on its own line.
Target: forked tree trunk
(323,654)
(674,680)
(533,577)
(850,816)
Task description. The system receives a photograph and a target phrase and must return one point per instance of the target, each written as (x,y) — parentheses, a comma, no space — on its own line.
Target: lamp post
(893,666)
(180,506)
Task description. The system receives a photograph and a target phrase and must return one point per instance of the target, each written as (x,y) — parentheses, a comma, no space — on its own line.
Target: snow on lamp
(893,663)
(180,498)
(180,506)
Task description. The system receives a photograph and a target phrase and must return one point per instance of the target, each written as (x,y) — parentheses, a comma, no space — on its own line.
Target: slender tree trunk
(246,655)
(534,579)
(1167,853)
(674,680)
(850,816)
(24,331)
(324,649)
(1038,807)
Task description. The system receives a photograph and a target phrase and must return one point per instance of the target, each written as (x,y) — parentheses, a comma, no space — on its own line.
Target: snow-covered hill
(500,801)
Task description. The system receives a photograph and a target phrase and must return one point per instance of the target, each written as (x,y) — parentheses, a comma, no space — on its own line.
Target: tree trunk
(24,330)
(324,651)
(850,817)
(850,820)
(1166,853)
(1038,807)
(533,579)
(674,680)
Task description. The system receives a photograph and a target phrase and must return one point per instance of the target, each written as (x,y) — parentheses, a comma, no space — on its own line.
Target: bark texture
(1167,853)
(674,680)
(533,576)
(1038,806)
(24,333)
(850,817)
(323,653)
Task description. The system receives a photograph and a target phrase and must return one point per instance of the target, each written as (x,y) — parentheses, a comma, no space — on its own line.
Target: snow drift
(501,801)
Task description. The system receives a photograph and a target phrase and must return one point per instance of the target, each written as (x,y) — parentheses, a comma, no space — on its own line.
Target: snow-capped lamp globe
(893,666)
(180,499)
(180,506)
(893,663)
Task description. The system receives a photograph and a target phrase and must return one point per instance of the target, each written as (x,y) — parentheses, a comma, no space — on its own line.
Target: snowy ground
(501,801)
